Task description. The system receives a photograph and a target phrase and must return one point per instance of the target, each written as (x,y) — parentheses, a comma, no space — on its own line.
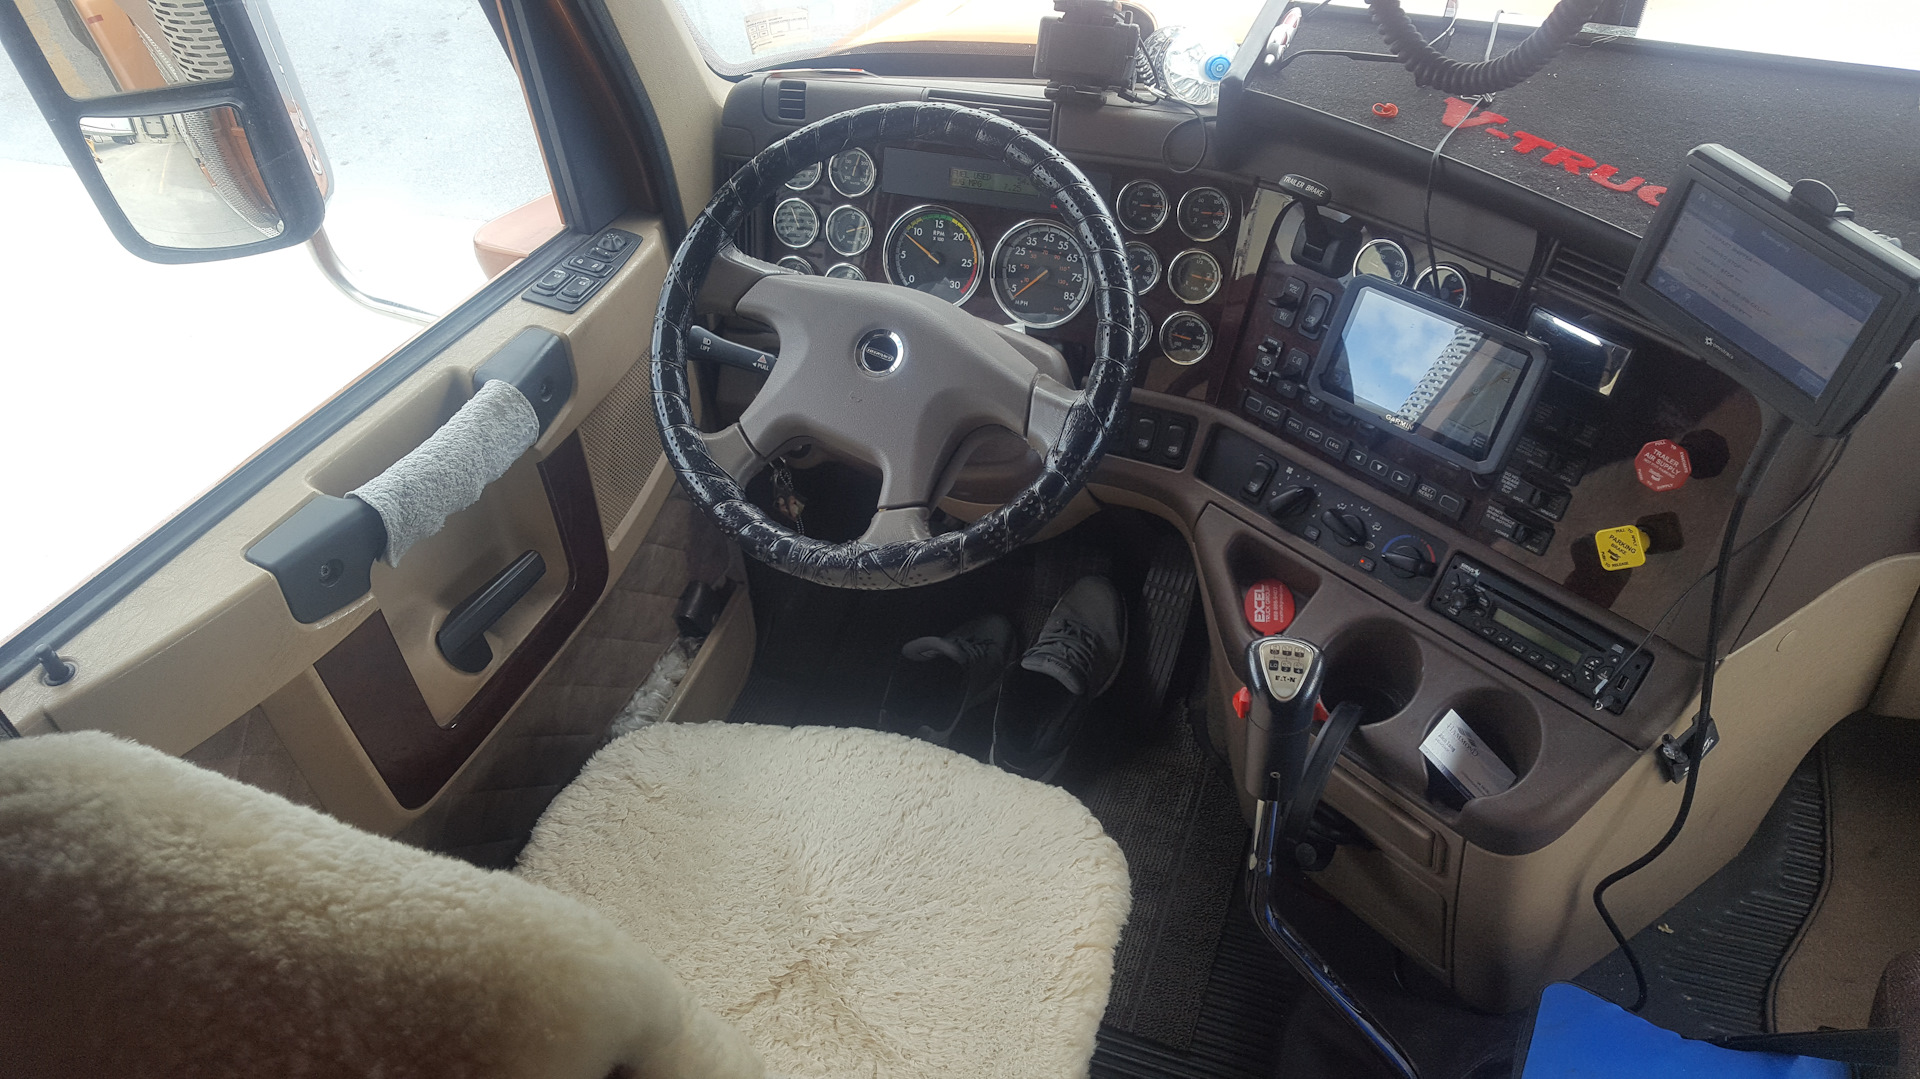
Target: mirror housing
(182,118)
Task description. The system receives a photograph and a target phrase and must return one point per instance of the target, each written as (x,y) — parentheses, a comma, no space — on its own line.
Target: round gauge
(1185,337)
(1143,206)
(1142,329)
(1377,258)
(805,178)
(1451,287)
(1143,267)
(1040,274)
(848,231)
(796,264)
(1205,213)
(1193,276)
(852,172)
(933,250)
(795,224)
(846,271)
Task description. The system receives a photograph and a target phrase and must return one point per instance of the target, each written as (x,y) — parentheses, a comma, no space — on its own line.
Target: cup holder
(1504,721)
(1376,666)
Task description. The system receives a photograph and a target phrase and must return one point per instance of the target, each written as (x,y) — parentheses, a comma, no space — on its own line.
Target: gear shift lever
(1284,674)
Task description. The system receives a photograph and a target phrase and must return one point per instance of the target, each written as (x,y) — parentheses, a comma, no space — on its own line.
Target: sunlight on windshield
(744,35)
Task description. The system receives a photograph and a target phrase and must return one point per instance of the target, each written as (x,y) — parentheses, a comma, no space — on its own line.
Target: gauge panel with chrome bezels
(848,231)
(1452,286)
(934,250)
(1205,213)
(1382,258)
(1193,276)
(851,172)
(1143,267)
(1143,206)
(805,178)
(795,223)
(1040,274)
(1186,338)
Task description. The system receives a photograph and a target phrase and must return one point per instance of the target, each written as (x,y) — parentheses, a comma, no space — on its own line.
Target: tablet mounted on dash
(1454,385)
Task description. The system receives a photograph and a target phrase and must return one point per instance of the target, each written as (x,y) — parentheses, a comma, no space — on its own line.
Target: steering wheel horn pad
(888,375)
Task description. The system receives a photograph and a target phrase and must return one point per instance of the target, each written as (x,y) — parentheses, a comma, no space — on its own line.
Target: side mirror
(182,118)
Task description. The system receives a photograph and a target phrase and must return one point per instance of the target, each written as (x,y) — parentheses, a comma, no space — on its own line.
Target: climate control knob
(1288,501)
(1347,528)
(1409,558)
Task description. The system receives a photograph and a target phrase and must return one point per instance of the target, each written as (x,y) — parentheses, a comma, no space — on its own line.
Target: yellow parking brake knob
(1622,548)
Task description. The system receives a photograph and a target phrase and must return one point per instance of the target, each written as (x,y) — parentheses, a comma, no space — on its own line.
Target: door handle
(463,636)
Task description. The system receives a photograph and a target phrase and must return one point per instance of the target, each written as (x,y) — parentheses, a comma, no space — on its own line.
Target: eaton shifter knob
(1284,675)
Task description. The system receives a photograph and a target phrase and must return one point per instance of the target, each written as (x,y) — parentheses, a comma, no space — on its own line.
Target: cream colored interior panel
(1525,920)
(209,636)
(1899,692)
(687,96)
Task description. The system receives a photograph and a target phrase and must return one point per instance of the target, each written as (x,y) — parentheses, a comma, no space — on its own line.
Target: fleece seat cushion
(857,903)
(157,919)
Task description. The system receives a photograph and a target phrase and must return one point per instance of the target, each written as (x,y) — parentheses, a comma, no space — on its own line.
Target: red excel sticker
(1663,465)
(1269,607)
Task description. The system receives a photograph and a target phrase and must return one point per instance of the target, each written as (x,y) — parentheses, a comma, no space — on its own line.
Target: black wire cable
(1695,739)
(1516,65)
(1426,213)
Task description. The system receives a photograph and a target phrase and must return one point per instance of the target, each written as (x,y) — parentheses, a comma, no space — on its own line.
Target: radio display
(1533,633)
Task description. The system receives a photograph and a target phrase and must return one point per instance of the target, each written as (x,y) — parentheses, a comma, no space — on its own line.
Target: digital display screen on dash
(1425,373)
(982,180)
(1760,291)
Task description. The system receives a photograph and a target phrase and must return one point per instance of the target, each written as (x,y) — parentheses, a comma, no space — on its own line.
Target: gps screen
(1760,292)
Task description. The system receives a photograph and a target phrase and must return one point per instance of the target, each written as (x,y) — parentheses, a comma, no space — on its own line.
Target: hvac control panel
(1349,528)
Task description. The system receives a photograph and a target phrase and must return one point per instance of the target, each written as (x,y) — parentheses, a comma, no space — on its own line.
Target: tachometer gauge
(1205,213)
(848,230)
(805,178)
(796,264)
(852,172)
(846,271)
(1185,337)
(1193,276)
(1444,281)
(1040,274)
(1143,267)
(1143,206)
(1377,258)
(934,250)
(795,224)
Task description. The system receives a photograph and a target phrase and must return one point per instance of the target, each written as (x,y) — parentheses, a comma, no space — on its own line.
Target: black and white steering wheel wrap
(888,375)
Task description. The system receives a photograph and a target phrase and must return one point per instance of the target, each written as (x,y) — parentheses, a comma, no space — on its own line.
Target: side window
(127,388)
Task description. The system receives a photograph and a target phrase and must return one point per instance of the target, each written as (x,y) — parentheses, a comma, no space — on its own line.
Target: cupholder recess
(1376,666)
(1506,723)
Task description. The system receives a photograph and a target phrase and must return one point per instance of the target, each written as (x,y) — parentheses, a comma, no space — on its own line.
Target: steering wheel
(887,375)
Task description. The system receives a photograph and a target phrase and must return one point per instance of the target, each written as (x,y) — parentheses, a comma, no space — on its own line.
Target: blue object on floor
(1577,1035)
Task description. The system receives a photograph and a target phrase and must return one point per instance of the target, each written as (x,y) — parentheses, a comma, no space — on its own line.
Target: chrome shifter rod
(1284,677)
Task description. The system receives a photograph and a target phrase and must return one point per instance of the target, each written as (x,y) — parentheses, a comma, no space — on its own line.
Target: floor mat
(1711,960)
(1871,910)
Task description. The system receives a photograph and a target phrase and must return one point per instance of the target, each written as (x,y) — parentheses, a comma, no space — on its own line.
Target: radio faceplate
(1544,635)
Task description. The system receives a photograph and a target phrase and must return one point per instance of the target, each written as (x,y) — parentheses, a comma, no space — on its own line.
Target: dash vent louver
(1583,275)
(793,101)
(1034,115)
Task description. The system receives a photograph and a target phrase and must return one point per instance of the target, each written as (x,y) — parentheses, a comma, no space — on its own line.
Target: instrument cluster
(1024,267)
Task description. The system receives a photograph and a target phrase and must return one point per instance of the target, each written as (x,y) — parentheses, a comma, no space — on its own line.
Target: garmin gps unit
(1428,373)
(1776,286)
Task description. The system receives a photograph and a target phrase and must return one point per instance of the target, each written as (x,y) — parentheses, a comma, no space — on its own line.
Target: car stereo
(1776,286)
(1425,372)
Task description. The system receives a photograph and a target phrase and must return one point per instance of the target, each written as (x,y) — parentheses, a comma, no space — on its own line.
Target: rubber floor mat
(1711,960)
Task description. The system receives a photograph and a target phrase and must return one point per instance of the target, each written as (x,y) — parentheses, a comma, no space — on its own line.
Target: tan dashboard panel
(1526,920)
(209,636)
(686,94)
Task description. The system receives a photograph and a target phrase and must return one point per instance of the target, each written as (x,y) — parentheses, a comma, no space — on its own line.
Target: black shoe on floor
(1044,697)
(940,681)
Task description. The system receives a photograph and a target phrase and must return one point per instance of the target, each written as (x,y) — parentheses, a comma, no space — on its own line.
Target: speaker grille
(621,443)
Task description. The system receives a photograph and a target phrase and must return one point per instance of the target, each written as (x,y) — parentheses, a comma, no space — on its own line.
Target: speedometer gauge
(1040,274)
(1205,213)
(1382,258)
(1143,206)
(795,223)
(1185,337)
(1194,276)
(933,250)
(1143,267)
(851,172)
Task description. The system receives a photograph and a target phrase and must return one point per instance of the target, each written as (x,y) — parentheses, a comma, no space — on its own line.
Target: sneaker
(1044,698)
(943,680)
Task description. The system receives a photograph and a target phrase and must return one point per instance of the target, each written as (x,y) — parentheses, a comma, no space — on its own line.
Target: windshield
(739,36)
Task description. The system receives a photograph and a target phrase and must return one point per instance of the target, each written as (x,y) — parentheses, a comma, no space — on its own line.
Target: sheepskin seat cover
(858,903)
(157,919)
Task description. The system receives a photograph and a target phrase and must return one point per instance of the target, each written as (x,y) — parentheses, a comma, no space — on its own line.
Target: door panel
(209,637)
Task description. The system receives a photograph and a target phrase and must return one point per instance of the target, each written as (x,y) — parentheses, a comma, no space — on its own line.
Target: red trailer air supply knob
(1663,465)
(1269,607)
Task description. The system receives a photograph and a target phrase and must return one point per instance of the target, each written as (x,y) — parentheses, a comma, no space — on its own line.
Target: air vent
(793,101)
(1035,116)
(1585,275)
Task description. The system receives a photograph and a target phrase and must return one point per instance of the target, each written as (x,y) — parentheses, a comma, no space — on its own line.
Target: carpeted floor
(1871,910)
